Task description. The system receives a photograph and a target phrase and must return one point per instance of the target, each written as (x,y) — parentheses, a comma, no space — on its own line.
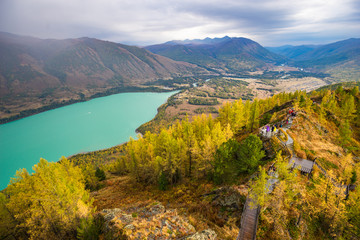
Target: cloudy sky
(144,22)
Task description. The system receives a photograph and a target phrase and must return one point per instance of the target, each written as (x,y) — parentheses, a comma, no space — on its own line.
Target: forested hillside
(201,169)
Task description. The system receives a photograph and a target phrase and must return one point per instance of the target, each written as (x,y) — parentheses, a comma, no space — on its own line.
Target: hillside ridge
(43,73)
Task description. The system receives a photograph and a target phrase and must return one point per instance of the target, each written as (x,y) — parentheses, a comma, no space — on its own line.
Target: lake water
(97,124)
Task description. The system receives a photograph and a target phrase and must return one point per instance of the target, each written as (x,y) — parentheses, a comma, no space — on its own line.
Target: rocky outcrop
(207,234)
(228,197)
(151,222)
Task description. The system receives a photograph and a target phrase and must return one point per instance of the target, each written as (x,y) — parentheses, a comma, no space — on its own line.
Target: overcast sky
(144,22)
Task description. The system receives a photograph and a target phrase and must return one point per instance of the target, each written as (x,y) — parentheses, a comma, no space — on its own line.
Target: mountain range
(31,64)
(40,74)
(340,59)
(228,54)
(37,73)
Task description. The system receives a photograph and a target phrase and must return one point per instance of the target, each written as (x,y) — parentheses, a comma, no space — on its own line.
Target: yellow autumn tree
(49,203)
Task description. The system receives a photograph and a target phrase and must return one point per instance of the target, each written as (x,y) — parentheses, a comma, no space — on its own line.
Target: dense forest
(54,201)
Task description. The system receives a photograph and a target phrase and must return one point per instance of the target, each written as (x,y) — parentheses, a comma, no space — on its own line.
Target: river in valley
(96,124)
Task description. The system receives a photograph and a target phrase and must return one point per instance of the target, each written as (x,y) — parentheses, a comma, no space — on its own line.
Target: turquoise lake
(96,124)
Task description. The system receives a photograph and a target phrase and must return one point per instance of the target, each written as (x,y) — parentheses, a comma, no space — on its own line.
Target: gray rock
(157,209)
(110,214)
(207,234)
(129,226)
(227,197)
(125,218)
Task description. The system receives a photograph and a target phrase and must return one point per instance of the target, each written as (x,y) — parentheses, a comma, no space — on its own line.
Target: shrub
(298,151)
(100,174)
(163,182)
(90,228)
(233,158)
(283,136)
(353,177)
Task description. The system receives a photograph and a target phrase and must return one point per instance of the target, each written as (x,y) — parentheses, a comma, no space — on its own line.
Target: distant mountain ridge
(232,54)
(292,52)
(199,41)
(46,71)
(79,62)
(341,59)
(341,50)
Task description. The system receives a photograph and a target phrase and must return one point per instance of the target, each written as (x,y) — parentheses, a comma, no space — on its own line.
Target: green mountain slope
(292,52)
(229,54)
(340,59)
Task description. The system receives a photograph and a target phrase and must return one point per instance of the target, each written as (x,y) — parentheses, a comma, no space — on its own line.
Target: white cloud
(271,22)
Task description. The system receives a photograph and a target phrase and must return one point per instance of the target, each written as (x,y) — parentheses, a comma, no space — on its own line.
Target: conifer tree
(354,213)
(226,114)
(225,162)
(239,118)
(190,139)
(254,115)
(327,202)
(348,169)
(345,134)
(355,91)
(259,189)
(348,107)
(250,153)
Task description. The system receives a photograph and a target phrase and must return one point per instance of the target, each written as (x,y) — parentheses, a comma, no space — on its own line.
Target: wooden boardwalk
(303,165)
(249,221)
(250,214)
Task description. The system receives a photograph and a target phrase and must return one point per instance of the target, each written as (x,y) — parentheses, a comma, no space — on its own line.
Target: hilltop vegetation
(178,154)
(326,129)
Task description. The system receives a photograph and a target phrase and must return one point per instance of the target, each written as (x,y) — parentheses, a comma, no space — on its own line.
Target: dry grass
(313,142)
(187,199)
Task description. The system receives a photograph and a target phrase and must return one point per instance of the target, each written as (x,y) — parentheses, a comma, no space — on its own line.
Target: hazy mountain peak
(204,41)
(233,54)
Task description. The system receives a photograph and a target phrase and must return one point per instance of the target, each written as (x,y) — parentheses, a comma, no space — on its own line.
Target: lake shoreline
(111,91)
(76,130)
